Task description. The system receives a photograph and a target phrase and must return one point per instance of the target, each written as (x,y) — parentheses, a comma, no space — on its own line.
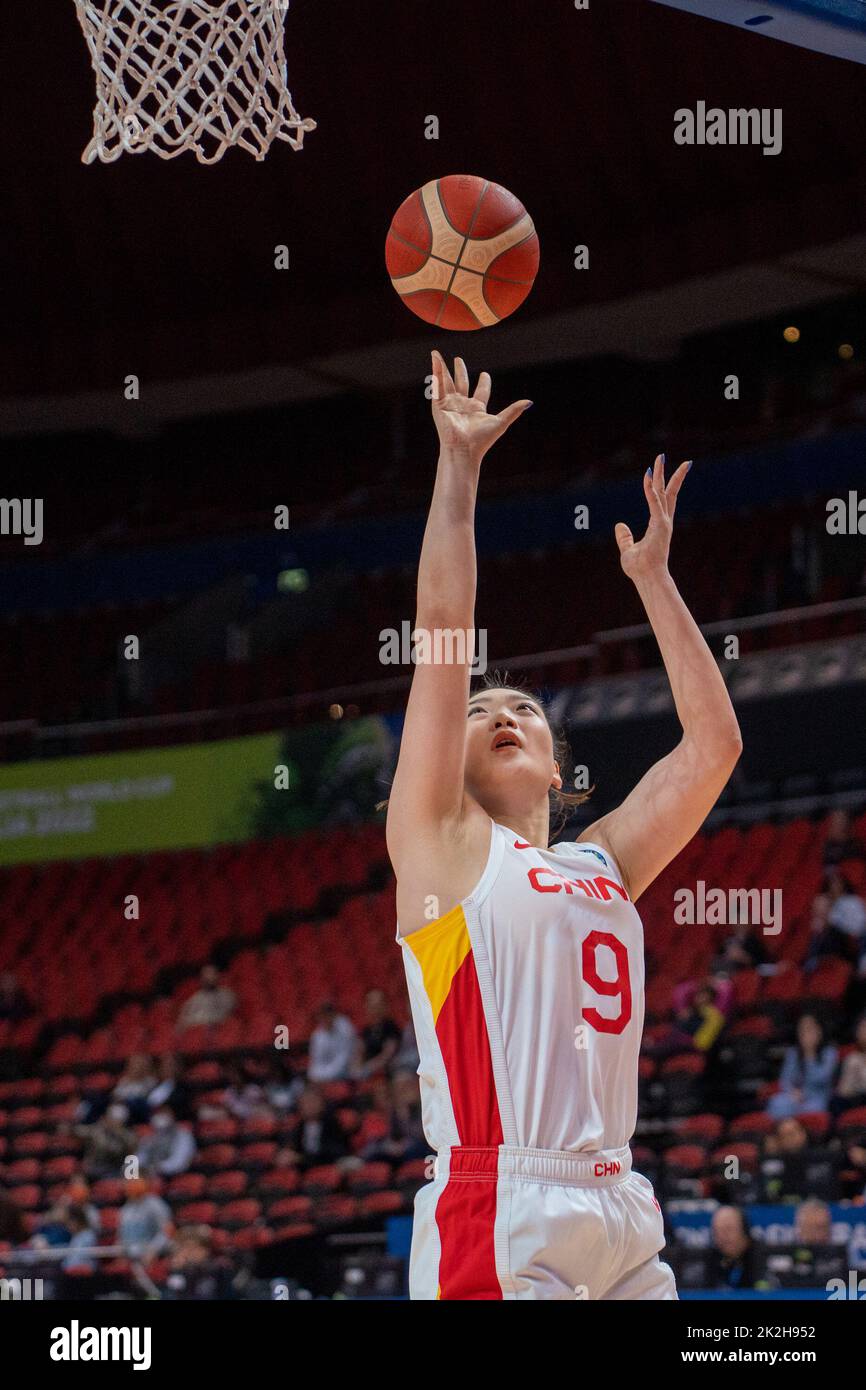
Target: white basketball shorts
(511,1223)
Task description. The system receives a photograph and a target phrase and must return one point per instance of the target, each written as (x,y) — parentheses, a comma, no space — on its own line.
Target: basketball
(462,252)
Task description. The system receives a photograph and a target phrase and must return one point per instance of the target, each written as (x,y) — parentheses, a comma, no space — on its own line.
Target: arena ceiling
(166,268)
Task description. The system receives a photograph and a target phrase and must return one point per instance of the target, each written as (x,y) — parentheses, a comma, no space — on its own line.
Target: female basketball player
(526,986)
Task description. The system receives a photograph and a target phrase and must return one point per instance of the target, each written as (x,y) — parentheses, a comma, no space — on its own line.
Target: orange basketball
(462,252)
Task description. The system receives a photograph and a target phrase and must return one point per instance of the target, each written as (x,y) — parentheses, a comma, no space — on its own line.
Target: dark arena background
(222,408)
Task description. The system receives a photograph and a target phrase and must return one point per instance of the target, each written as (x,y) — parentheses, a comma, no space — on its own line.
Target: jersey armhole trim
(478,894)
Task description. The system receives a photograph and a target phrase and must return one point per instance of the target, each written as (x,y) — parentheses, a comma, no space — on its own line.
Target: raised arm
(426,799)
(671,802)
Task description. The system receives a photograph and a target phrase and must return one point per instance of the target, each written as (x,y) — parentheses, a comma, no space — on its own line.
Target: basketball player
(525,962)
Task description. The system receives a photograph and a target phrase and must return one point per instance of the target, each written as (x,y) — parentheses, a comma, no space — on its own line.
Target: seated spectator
(145,1221)
(78,1194)
(380,1037)
(809,1257)
(792,1169)
(81,1238)
(407,1058)
(855,1155)
(698,1020)
(194,1272)
(332,1046)
(170,1148)
(135,1084)
(851,1086)
(211,1004)
(107,1143)
(840,843)
(13,1227)
(405,1137)
(242,1097)
(731,1265)
(847,908)
(825,939)
(719,985)
(14,1004)
(856,994)
(744,949)
(806,1079)
(813,1224)
(283,1085)
(169,1088)
(316,1136)
(53,1230)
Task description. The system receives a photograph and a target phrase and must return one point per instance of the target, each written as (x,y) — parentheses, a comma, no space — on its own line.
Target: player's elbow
(727,749)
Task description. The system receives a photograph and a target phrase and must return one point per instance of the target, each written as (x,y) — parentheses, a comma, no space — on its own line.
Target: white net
(188,75)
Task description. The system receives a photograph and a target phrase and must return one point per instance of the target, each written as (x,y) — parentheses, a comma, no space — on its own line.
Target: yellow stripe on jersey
(440,949)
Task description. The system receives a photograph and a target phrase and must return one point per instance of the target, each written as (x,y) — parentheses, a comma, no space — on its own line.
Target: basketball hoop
(175,75)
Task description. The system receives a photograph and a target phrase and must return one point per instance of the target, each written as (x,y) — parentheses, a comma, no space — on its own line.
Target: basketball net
(188,75)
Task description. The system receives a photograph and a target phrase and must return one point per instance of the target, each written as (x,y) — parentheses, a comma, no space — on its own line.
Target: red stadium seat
(816,1124)
(336,1210)
(216,1157)
(197,1214)
(290,1208)
(414,1172)
(297,1231)
(108,1191)
(257,1156)
(59,1168)
(280,1180)
(326,1178)
(228,1184)
(753,1126)
(186,1185)
(704,1128)
(235,1215)
(829,981)
(371,1178)
(691,1062)
(381,1204)
(217,1131)
(25,1117)
(685,1158)
(755,1026)
(852,1121)
(28,1198)
(33,1143)
(747,1154)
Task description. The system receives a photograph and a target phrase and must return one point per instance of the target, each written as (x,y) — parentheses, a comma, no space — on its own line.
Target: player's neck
(533,827)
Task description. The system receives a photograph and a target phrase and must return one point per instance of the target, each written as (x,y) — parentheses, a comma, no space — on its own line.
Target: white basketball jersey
(528,1001)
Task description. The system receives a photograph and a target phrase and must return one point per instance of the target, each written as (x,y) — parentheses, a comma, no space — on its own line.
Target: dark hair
(77,1216)
(561,802)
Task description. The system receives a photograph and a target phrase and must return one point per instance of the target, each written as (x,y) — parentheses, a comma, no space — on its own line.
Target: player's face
(509,751)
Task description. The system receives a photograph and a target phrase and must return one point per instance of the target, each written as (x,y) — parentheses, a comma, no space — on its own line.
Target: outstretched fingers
(624,537)
(654,487)
(511,413)
(676,482)
(482,390)
(443,378)
(461,376)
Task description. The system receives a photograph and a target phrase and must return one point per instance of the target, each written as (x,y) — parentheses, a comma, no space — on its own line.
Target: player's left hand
(650,555)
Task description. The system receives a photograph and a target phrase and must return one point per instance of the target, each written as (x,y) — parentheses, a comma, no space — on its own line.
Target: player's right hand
(464,426)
